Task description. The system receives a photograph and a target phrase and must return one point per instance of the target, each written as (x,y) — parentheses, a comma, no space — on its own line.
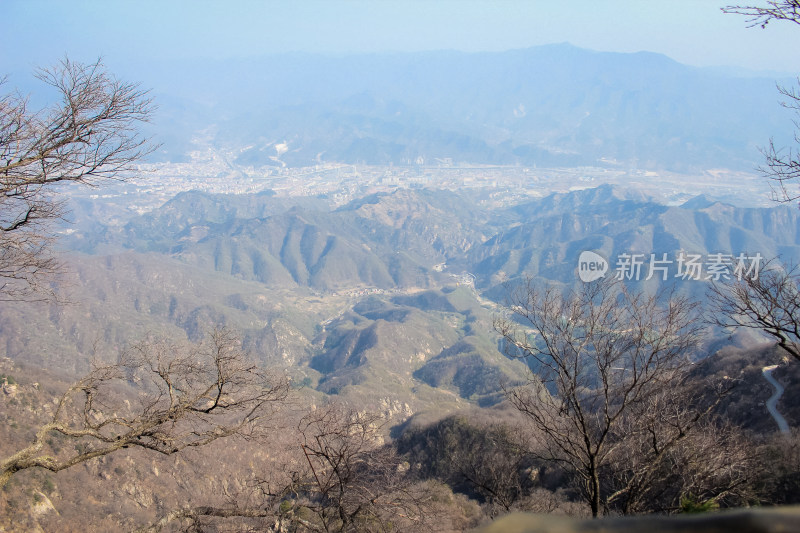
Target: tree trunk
(594,491)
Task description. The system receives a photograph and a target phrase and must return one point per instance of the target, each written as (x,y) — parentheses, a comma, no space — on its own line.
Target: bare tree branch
(788,10)
(767,300)
(782,165)
(343,479)
(599,355)
(88,137)
(354,483)
(189,396)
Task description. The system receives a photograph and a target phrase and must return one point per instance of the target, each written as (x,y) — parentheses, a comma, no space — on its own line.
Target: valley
(395,291)
(387,302)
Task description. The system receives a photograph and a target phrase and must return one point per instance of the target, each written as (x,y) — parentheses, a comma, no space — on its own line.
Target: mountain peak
(701,201)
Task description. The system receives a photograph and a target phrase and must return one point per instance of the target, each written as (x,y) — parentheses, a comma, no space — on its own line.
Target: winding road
(773,400)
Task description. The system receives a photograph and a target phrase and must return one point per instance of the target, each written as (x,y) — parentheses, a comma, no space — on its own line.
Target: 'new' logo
(591,266)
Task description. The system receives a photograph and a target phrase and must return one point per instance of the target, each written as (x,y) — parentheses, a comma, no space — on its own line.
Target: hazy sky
(695,32)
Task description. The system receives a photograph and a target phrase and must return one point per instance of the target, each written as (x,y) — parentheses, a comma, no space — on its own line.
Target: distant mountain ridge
(554,105)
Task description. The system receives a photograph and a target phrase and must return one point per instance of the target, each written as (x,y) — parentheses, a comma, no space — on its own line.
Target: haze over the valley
(353,191)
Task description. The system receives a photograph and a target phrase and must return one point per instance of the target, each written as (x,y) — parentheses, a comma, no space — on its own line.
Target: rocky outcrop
(8,389)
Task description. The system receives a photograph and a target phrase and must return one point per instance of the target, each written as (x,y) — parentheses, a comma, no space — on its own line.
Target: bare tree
(671,451)
(767,300)
(353,483)
(342,479)
(197,518)
(494,463)
(88,137)
(188,396)
(782,166)
(599,355)
(489,461)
